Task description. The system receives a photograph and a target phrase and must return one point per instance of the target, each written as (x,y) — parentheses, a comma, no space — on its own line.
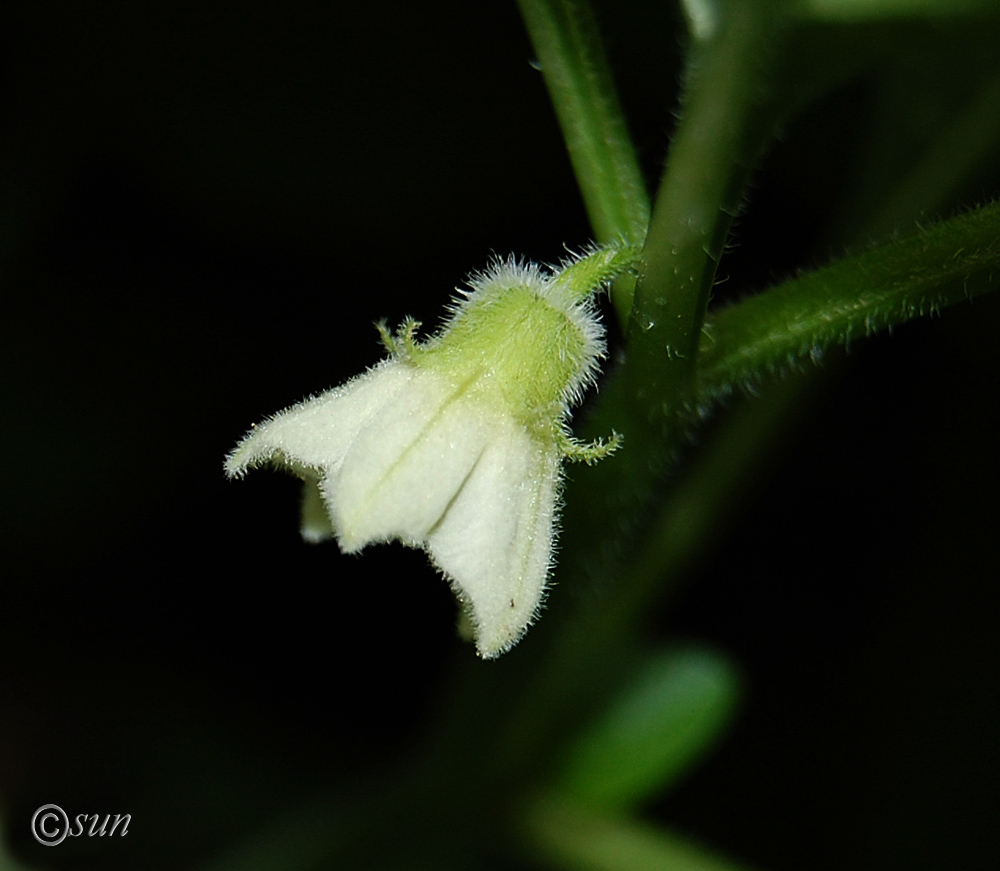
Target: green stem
(608,506)
(728,117)
(567,43)
(723,127)
(794,323)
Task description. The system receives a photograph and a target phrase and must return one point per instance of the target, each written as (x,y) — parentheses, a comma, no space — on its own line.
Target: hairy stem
(795,322)
(568,45)
(727,119)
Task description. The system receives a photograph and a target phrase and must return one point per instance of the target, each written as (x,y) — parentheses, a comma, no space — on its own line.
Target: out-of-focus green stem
(567,43)
(951,156)
(851,11)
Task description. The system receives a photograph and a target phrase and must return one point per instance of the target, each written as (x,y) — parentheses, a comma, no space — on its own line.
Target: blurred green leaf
(575,838)
(663,722)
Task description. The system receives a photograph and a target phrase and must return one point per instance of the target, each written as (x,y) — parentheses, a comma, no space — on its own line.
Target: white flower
(454,445)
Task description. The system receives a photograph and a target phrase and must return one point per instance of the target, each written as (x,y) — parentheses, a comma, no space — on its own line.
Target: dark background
(204,207)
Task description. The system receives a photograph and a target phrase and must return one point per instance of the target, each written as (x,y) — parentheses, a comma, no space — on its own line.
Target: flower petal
(495,542)
(317,432)
(405,467)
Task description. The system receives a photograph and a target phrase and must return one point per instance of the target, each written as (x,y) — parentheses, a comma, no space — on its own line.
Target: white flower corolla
(455,444)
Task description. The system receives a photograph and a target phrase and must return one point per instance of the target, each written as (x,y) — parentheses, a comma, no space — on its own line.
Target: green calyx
(528,351)
(525,340)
